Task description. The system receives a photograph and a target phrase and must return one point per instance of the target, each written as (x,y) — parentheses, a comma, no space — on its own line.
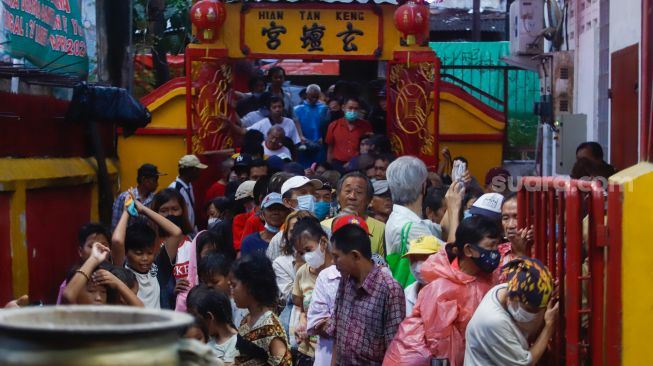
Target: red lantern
(412,19)
(207,16)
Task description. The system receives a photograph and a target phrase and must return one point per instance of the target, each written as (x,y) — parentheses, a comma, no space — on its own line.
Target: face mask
(488,261)
(351,116)
(306,202)
(272,229)
(214,221)
(467,214)
(315,259)
(177,220)
(322,210)
(415,269)
(519,314)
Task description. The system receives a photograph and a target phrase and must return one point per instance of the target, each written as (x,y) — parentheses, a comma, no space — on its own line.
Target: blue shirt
(253,243)
(311,118)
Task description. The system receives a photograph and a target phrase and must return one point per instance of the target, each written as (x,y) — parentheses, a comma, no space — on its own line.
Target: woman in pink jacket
(458,277)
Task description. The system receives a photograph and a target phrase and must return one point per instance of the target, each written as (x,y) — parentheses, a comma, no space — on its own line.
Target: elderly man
(407,180)
(273,144)
(311,115)
(354,193)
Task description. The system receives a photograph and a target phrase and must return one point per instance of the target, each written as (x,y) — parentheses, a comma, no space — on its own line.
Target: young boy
(88,234)
(135,248)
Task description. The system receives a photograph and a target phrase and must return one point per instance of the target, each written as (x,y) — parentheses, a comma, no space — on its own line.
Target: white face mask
(315,259)
(415,269)
(306,202)
(519,314)
(214,221)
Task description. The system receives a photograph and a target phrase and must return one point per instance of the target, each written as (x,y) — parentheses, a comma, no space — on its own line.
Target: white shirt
(188,194)
(226,351)
(492,338)
(399,216)
(410,293)
(286,123)
(277,152)
(274,248)
(322,306)
(284,268)
(251,118)
(148,287)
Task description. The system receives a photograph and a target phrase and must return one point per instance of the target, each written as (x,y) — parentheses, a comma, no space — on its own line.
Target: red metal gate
(578,236)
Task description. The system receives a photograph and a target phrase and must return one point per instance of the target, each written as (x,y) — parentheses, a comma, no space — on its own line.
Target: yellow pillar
(18,232)
(637,263)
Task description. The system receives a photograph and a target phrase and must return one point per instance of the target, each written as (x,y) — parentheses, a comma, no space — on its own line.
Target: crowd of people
(356,258)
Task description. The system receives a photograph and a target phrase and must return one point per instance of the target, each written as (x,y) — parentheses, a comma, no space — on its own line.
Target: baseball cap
(149,170)
(191,161)
(299,181)
(245,190)
(275,163)
(488,205)
(273,198)
(427,244)
(347,220)
(380,187)
(242,161)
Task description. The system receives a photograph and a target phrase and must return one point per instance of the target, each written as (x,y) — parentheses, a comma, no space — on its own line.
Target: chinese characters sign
(48,33)
(311,32)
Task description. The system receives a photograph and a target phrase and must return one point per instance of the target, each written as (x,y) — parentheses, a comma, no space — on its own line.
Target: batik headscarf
(529,281)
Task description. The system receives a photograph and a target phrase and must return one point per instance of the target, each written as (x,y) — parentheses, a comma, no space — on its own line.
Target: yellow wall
(637,263)
(457,116)
(481,156)
(162,151)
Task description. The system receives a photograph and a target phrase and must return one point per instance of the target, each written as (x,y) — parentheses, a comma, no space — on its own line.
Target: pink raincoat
(192,276)
(436,328)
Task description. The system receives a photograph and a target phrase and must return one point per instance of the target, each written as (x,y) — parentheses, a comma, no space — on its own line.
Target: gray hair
(406,177)
(313,88)
(276,128)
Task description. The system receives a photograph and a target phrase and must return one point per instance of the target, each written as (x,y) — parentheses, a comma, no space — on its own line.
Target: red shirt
(238,226)
(346,142)
(254,224)
(216,190)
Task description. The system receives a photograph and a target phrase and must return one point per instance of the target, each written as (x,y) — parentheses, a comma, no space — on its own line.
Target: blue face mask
(467,214)
(322,210)
(489,259)
(272,229)
(351,116)
(306,202)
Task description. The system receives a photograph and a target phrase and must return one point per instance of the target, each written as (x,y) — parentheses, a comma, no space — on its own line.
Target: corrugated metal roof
(457,20)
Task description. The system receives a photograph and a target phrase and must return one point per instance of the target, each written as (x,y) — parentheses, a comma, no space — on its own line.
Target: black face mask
(177,220)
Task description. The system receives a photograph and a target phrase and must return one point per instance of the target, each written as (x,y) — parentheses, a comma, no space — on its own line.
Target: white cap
(299,181)
(191,161)
(488,205)
(245,190)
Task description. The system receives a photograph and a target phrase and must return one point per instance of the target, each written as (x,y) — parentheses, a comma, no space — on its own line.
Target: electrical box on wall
(526,25)
(572,131)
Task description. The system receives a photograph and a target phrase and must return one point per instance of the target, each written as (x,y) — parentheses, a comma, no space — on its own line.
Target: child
(214,273)
(214,308)
(90,285)
(253,286)
(129,279)
(198,331)
(88,234)
(135,247)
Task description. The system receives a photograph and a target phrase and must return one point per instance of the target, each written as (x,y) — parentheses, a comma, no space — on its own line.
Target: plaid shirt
(366,318)
(119,204)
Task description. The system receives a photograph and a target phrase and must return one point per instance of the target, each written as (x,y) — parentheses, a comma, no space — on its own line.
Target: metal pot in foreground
(90,335)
